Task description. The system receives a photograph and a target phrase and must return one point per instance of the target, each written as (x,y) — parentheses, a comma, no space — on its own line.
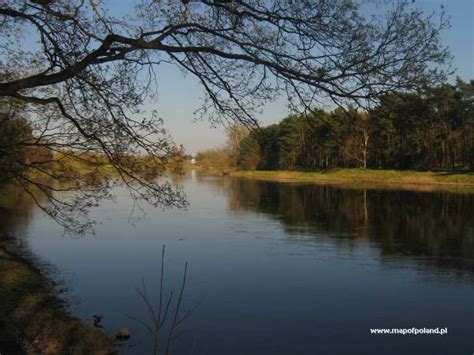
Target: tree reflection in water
(16,211)
(435,227)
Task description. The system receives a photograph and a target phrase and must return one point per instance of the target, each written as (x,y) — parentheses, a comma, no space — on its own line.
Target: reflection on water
(437,226)
(277,268)
(16,211)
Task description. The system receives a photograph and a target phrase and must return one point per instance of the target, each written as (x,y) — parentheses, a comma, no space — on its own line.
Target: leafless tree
(83,74)
(162,317)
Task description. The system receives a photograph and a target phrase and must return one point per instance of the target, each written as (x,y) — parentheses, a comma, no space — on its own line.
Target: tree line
(23,153)
(433,129)
(82,83)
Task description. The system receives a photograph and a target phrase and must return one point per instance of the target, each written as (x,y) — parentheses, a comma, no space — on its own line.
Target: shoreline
(387,178)
(32,318)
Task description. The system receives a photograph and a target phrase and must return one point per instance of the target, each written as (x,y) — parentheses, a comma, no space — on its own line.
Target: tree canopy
(430,130)
(82,74)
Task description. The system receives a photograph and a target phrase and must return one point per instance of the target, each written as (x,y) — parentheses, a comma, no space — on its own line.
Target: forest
(431,130)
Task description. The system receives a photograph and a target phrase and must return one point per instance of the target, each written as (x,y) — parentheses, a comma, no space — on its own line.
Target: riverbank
(367,176)
(32,319)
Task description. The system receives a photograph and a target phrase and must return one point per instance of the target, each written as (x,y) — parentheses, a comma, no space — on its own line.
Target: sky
(179,95)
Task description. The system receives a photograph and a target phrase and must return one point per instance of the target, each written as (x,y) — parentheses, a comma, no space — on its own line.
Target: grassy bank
(363,176)
(32,319)
(212,171)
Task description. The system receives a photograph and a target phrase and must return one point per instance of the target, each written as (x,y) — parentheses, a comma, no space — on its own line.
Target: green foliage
(229,157)
(291,141)
(249,158)
(430,130)
(214,159)
(235,134)
(267,139)
(15,131)
(20,151)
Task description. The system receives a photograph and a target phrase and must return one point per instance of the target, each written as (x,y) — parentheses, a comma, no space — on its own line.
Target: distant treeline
(26,157)
(94,167)
(430,130)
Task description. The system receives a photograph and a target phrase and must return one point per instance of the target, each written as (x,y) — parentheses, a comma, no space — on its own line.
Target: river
(274,268)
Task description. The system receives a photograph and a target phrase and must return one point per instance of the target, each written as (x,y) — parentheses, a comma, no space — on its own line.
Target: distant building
(193,161)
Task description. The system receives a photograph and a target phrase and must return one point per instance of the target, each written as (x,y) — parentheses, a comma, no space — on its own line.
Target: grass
(32,319)
(367,176)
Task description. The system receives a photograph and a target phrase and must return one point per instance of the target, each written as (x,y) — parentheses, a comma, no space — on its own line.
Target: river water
(274,268)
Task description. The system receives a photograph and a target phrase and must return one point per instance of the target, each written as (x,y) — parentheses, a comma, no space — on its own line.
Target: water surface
(276,268)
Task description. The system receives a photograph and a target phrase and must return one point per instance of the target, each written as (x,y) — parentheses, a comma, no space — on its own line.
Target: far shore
(419,179)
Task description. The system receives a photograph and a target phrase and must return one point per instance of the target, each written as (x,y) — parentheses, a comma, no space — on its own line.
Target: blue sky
(180,96)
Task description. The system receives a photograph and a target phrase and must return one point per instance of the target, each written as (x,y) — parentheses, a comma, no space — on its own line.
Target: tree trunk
(365,149)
